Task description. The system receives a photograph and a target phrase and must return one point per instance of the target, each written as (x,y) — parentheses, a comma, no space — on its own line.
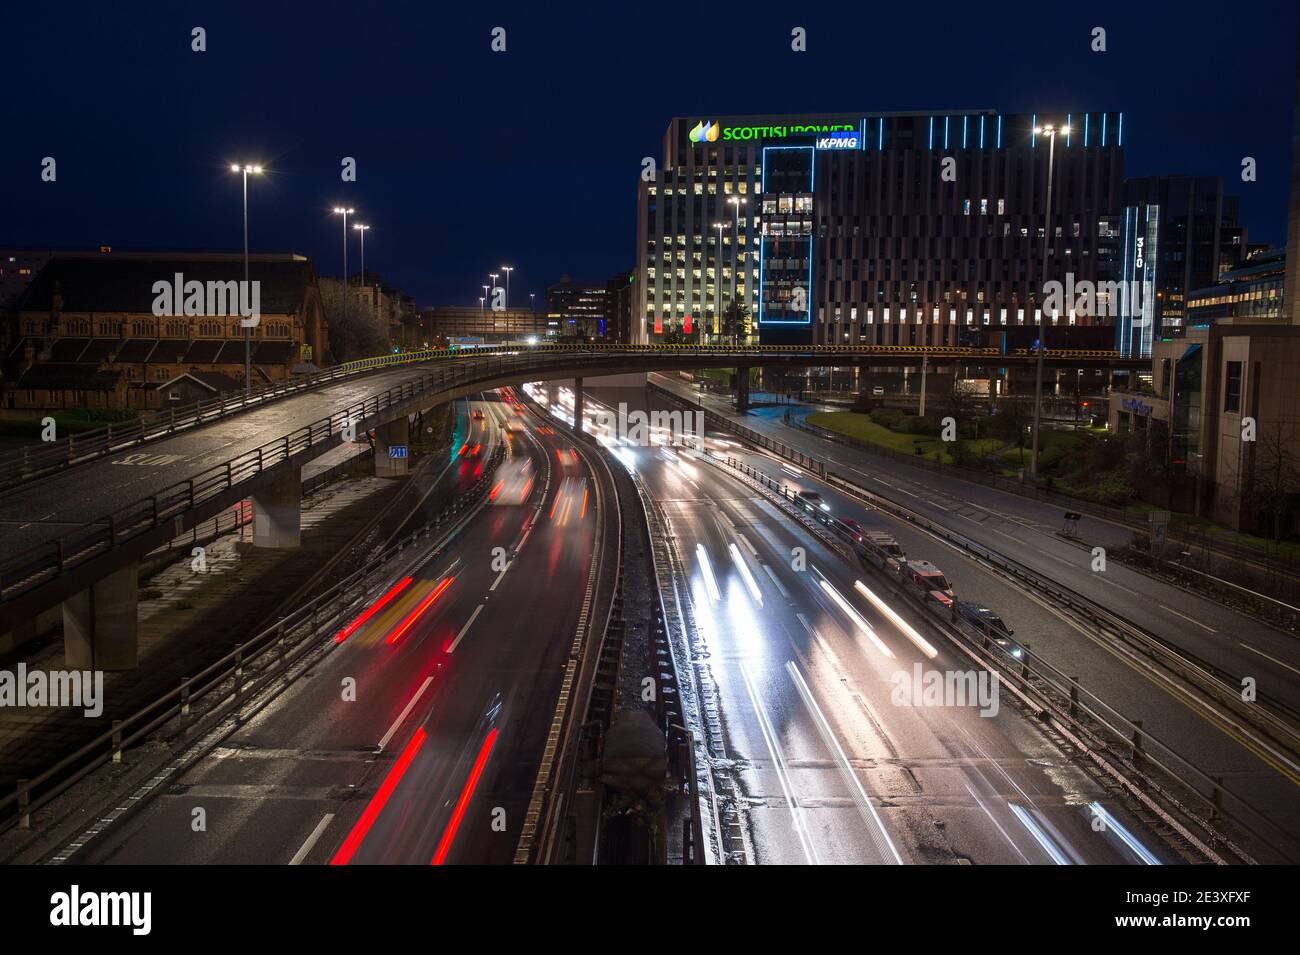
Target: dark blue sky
(469,159)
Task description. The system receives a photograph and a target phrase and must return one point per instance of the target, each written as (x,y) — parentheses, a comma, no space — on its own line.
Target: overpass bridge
(73,532)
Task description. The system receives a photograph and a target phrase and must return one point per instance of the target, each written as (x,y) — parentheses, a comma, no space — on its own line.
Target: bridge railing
(24,571)
(24,464)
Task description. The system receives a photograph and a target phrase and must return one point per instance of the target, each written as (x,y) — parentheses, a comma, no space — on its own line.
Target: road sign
(397,451)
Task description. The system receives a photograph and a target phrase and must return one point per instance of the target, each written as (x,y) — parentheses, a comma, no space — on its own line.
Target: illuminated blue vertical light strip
(1033,125)
(965,124)
(1125,324)
(1086,117)
(1119,139)
(881,144)
(762,242)
(999,131)
(981,131)
(945,132)
(1068,128)
(863,132)
(1103,130)
(931,132)
(812,188)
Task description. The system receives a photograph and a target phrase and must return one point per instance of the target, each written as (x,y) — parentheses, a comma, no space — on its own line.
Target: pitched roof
(59,376)
(213,381)
(110,284)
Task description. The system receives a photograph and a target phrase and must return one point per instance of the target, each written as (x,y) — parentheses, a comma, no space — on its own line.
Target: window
(1232,387)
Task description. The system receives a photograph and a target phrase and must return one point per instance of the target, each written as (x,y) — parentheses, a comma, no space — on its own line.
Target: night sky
(468,159)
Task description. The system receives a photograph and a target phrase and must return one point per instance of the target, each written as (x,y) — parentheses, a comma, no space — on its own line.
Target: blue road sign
(397,451)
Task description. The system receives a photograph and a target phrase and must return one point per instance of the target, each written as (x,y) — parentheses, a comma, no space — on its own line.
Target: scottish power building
(878,228)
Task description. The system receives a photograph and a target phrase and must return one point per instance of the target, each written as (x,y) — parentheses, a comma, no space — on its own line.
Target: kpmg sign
(1136,406)
(842,139)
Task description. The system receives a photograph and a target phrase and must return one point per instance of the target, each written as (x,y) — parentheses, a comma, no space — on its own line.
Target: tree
(1272,485)
(359,335)
(675,335)
(734,318)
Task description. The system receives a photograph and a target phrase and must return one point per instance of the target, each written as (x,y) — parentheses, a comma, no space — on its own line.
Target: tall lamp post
(340,210)
(358,227)
(717,266)
(247,293)
(736,202)
(507,269)
(1050,132)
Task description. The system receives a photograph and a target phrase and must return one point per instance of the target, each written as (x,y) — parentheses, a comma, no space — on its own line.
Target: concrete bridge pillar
(742,390)
(579,424)
(277,512)
(100,623)
(395,434)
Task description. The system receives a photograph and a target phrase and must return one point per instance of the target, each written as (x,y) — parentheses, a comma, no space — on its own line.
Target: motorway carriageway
(457,669)
(1264,777)
(830,770)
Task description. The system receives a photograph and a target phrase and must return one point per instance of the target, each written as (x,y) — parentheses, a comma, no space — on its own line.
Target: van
(929,579)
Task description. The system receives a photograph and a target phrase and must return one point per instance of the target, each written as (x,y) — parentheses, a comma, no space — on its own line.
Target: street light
(1050,132)
(736,202)
(507,269)
(717,265)
(248,350)
(362,229)
(340,210)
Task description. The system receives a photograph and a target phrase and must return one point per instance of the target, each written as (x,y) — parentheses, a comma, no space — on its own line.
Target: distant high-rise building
(1178,234)
(578,308)
(876,228)
(619,295)
(1292,294)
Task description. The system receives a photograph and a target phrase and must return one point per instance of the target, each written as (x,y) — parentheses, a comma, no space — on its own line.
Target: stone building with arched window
(87,335)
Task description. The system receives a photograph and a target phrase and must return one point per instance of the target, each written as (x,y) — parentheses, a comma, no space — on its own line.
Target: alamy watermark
(935,688)
(82,689)
(1088,299)
(176,296)
(643,428)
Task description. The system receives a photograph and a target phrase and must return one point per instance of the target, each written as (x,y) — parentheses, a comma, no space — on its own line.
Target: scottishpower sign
(710,131)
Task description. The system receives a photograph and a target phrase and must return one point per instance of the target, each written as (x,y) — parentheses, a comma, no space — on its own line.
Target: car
(984,619)
(812,501)
(852,527)
(478,415)
(877,391)
(885,543)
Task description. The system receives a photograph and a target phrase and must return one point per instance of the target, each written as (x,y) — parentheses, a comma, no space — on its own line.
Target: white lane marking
(1267,657)
(884,845)
(465,629)
(748,546)
(782,770)
(1054,557)
(1106,580)
(779,586)
(996,825)
(311,840)
(1187,618)
(1039,835)
(503,570)
(404,714)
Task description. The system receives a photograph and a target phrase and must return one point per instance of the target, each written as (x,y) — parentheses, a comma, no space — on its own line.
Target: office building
(876,228)
(1178,234)
(479,325)
(1254,292)
(578,309)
